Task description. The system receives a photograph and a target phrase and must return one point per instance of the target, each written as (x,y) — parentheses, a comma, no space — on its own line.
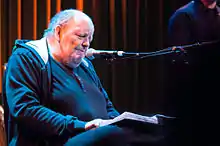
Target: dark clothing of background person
(192,78)
(194,23)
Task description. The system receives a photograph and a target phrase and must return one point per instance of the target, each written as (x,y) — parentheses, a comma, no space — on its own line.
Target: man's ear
(57,33)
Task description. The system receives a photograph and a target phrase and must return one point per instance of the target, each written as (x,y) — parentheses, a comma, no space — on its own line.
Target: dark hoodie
(34,113)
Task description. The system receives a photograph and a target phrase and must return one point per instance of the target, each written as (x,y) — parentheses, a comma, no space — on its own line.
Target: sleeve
(179,29)
(24,100)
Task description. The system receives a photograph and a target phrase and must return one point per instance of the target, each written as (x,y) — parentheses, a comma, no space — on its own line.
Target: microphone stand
(169,50)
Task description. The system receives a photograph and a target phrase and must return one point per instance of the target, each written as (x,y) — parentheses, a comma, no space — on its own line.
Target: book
(150,124)
(130,116)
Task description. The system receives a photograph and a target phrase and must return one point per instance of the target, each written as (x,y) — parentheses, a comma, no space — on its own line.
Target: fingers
(93,124)
(89,127)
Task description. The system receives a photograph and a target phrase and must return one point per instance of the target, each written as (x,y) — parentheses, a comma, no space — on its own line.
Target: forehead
(80,25)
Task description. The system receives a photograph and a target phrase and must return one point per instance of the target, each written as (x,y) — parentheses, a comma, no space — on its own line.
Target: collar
(41,47)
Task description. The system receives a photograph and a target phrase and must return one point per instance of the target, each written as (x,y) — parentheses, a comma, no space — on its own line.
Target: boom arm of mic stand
(142,55)
(169,50)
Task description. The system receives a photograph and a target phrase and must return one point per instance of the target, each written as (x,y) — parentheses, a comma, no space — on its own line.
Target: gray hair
(63,17)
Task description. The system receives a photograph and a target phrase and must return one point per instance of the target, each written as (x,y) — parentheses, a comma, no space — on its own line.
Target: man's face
(208,2)
(75,37)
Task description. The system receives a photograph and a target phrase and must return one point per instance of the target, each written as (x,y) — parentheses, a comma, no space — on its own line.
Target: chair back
(2,128)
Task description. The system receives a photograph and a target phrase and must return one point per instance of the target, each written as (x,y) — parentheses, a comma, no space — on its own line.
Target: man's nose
(86,43)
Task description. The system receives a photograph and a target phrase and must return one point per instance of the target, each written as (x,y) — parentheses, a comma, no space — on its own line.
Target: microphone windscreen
(90,52)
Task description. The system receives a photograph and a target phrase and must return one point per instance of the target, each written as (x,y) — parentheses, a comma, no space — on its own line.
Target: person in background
(197,21)
(191,75)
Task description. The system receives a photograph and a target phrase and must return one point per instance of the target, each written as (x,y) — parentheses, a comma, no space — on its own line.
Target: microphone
(92,52)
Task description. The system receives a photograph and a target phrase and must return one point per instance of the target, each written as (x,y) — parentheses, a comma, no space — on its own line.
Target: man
(192,76)
(197,21)
(52,92)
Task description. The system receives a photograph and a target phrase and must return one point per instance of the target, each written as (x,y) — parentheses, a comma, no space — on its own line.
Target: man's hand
(93,124)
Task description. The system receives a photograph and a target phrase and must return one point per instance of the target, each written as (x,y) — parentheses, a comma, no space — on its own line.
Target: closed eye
(82,35)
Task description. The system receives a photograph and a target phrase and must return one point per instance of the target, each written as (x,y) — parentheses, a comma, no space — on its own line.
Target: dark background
(129,25)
